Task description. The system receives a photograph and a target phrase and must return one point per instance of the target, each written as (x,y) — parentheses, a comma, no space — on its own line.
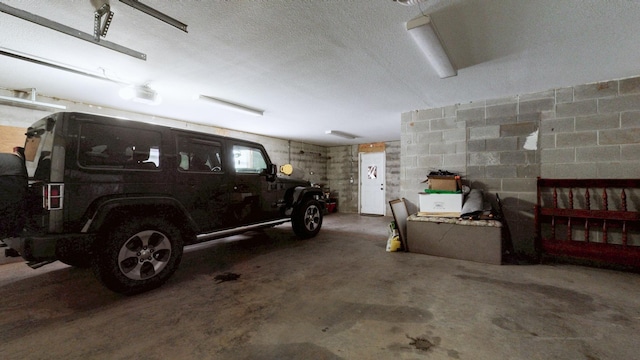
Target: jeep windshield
(37,149)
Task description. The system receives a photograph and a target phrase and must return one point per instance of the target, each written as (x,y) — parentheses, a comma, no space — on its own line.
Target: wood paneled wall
(11,137)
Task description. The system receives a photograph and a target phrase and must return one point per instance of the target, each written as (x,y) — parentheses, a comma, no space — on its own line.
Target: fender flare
(301,192)
(163,204)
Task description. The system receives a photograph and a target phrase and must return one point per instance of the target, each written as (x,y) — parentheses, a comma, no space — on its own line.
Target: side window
(199,155)
(248,159)
(115,147)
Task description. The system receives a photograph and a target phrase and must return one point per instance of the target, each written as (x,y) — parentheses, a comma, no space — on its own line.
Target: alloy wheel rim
(144,255)
(312,218)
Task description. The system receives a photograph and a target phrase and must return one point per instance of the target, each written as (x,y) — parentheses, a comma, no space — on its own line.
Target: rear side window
(37,149)
(115,147)
(198,155)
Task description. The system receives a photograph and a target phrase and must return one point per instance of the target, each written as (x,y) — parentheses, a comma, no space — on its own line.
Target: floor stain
(420,343)
(228,276)
(347,313)
(507,324)
(576,302)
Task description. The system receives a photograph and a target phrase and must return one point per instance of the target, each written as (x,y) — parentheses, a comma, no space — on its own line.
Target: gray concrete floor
(338,296)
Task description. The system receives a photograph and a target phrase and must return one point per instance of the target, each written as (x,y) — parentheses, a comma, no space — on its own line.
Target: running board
(38,264)
(239,230)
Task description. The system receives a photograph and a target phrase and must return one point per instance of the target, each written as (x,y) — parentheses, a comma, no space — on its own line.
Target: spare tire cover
(13,192)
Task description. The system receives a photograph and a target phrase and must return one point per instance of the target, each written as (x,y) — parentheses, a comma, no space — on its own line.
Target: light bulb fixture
(31,103)
(340,134)
(425,34)
(141,94)
(232,106)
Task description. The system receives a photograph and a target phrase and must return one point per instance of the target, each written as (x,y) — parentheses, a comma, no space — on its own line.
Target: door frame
(383,178)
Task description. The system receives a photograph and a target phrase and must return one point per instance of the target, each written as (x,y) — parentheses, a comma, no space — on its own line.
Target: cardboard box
(448,183)
(447,205)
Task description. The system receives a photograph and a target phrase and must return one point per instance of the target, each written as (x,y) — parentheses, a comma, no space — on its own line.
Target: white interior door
(372,183)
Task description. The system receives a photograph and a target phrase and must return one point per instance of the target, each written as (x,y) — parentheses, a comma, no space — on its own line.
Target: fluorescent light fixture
(409,2)
(31,103)
(141,94)
(426,36)
(340,134)
(156,14)
(233,106)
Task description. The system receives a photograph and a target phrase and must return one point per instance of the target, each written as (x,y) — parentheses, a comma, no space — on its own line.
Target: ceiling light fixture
(31,103)
(424,33)
(141,94)
(232,106)
(340,134)
(409,2)
(156,14)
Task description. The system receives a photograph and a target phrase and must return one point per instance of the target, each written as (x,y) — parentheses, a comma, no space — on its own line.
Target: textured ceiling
(320,65)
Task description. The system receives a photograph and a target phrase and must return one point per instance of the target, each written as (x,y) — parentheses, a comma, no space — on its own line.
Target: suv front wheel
(307,219)
(138,255)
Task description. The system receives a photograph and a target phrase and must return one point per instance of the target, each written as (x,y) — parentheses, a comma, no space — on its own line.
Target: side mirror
(271,172)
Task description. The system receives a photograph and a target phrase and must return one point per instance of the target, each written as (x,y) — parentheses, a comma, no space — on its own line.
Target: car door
(202,178)
(254,195)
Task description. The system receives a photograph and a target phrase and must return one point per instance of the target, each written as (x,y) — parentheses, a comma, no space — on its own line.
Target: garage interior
(543,88)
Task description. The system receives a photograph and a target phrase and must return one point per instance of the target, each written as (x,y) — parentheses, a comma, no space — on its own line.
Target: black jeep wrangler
(124,197)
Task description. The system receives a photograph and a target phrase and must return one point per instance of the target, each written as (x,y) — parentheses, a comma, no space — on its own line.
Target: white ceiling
(317,65)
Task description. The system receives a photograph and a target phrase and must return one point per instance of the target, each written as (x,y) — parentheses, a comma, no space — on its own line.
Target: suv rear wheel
(138,255)
(307,219)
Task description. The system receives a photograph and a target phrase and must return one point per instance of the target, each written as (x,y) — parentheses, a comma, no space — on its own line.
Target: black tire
(307,219)
(138,255)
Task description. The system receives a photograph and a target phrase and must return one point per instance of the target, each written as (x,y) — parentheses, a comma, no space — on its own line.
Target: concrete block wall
(309,161)
(342,175)
(594,132)
(392,180)
(584,131)
(343,172)
(431,140)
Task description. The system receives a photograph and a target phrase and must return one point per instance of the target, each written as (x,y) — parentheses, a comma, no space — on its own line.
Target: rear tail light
(52,196)
(19,151)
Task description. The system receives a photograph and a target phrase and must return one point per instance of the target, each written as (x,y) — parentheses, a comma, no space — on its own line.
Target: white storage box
(440,204)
